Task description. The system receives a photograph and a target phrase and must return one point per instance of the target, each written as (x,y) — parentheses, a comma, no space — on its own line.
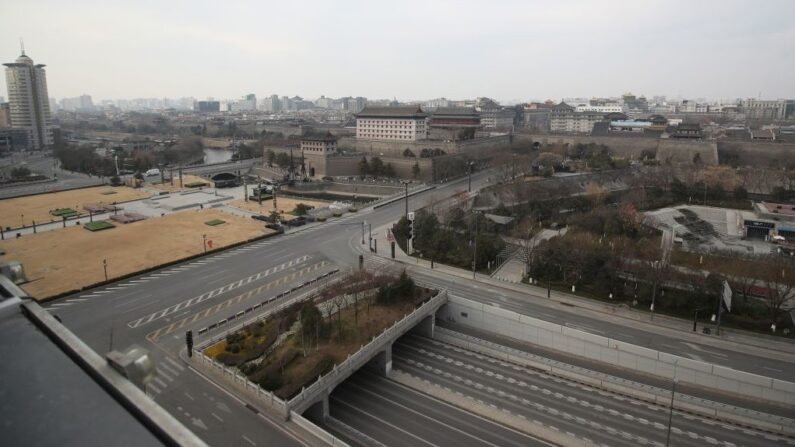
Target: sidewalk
(730,339)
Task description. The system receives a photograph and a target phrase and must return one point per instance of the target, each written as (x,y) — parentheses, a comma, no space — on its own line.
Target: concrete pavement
(395,415)
(595,416)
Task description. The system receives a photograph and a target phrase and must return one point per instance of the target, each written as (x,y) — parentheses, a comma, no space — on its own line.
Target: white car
(152,172)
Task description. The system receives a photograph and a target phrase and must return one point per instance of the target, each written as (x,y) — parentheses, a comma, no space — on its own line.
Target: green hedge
(60,212)
(98,225)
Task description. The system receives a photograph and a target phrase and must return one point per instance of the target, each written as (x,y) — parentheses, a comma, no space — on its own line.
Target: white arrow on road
(198,422)
(223,407)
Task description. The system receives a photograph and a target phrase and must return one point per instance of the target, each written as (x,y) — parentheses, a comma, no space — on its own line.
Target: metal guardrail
(248,310)
(234,378)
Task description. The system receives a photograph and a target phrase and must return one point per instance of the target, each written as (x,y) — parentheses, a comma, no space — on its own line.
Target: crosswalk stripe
(168,368)
(175,364)
(164,375)
(160,382)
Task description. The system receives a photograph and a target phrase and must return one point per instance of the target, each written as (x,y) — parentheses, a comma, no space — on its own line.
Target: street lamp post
(475,251)
(406,184)
(469,188)
(105,268)
(204,242)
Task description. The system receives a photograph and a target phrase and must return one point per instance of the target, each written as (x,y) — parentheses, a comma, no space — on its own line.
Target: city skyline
(511,52)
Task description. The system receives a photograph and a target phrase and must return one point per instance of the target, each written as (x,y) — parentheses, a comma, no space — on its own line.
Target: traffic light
(189,342)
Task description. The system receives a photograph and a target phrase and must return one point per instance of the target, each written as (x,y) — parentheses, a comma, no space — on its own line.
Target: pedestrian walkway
(511,270)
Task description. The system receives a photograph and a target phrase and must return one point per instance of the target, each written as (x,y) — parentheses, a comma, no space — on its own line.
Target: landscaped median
(281,360)
(70,259)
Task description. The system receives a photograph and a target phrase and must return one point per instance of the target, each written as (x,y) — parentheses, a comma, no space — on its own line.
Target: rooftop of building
(392,112)
(455,111)
(319,136)
(58,391)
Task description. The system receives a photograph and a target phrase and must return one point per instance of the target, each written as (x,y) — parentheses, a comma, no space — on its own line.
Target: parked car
(297,222)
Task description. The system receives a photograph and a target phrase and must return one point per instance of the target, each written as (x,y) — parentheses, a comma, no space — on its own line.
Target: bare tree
(778,279)
(526,232)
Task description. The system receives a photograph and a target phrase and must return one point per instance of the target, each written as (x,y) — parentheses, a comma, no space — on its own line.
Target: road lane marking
(248,440)
(175,364)
(407,433)
(216,416)
(176,325)
(207,295)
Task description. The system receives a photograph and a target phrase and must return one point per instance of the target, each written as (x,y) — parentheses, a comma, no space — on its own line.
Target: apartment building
(397,123)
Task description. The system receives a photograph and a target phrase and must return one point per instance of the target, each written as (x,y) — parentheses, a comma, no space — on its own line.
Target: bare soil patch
(19,210)
(71,258)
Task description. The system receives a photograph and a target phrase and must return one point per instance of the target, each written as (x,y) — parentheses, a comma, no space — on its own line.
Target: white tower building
(29,104)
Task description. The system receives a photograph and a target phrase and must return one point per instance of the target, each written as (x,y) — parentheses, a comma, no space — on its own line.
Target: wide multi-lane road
(395,415)
(590,414)
(155,309)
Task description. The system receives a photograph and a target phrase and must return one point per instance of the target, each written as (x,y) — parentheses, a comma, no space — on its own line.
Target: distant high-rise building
(324,103)
(357,104)
(246,104)
(271,104)
(207,106)
(29,102)
(82,103)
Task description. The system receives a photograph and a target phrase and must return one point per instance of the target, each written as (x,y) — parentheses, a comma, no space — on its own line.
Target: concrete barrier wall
(626,355)
(231,378)
(660,396)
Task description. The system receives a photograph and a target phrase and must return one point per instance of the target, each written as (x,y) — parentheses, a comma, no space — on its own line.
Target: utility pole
(245,189)
(475,251)
(105,268)
(259,190)
(469,188)
(406,184)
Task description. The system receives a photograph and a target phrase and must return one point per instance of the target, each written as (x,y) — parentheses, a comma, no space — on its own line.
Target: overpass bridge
(227,171)
(376,355)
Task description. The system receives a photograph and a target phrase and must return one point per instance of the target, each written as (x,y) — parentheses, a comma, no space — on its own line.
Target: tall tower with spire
(29,103)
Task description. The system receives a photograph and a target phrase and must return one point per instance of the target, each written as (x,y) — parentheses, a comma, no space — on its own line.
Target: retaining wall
(607,350)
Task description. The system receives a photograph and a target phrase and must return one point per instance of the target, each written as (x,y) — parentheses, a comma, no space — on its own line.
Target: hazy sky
(509,50)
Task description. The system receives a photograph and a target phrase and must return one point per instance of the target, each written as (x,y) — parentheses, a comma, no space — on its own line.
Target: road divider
(177,325)
(216,292)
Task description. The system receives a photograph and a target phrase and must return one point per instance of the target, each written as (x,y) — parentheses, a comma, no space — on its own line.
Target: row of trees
(85,159)
(376,167)
(607,253)
(454,242)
